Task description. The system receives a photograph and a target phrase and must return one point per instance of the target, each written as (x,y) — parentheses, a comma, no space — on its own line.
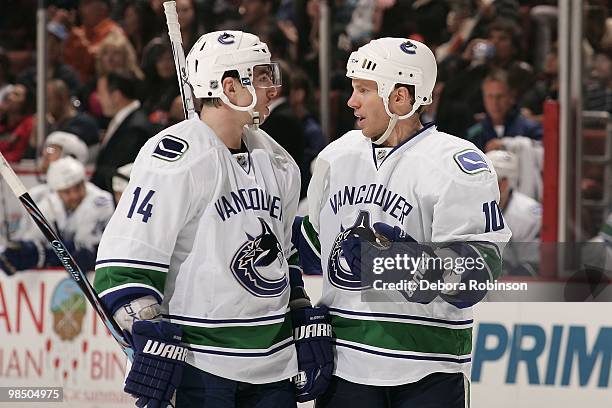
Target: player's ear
(229,86)
(400,101)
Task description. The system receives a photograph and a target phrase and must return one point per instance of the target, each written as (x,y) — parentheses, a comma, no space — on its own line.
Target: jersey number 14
(144,208)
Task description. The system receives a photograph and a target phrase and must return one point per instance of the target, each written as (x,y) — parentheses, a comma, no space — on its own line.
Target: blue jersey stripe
(239,354)
(222,321)
(404,356)
(403,317)
(132,262)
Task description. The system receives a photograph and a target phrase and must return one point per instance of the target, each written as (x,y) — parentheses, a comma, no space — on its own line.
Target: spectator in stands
(301,99)
(115,54)
(547,87)
(6,80)
(83,42)
(284,126)
(257,17)
(63,115)
(461,98)
(598,93)
(139,24)
(503,118)
(160,81)
(190,28)
(56,68)
(16,122)
(78,209)
(127,131)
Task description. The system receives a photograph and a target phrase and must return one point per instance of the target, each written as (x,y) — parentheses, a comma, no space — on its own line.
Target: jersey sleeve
(309,244)
(468,221)
(98,212)
(137,245)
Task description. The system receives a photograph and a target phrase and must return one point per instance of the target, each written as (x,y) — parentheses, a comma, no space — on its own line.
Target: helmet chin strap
(393,121)
(255,119)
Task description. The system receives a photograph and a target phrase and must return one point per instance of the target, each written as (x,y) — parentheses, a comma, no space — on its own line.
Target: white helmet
(392,61)
(65,173)
(70,143)
(121,179)
(221,51)
(506,165)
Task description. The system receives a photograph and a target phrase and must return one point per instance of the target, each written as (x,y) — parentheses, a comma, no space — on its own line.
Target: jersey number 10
(494,219)
(145,207)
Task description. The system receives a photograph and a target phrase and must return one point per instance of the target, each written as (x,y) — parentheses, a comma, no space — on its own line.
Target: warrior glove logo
(258,256)
(170,351)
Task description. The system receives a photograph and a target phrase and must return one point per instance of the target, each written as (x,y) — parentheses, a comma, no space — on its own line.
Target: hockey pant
(200,389)
(438,390)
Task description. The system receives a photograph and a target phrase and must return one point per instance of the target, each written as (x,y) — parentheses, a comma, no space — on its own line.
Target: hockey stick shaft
(62,253)
(174,32)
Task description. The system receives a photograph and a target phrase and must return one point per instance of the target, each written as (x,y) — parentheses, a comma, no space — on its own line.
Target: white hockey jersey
(83,226)
(523,215)
(437,188)
(209,233)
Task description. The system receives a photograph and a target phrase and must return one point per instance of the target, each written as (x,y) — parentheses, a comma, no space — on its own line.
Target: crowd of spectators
(111,79)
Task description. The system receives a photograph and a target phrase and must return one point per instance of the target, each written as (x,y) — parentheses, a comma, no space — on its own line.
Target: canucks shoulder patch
(471,162)
(170,148)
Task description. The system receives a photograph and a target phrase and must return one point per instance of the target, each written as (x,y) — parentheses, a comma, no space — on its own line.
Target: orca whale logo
(258,254)
(226,39)
(408,47)
(339,273)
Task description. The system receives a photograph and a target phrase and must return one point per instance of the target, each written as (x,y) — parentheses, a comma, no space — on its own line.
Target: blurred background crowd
(111,81)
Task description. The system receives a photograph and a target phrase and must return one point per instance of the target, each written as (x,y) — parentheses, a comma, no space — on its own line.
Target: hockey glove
(21,255)
(353,247)
(159,359)
(312,335)
(427,270)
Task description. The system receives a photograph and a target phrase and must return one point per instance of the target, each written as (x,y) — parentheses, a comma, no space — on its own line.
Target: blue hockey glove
(20,255)
(352,248)
(312,335)
(159,359)
(429,272)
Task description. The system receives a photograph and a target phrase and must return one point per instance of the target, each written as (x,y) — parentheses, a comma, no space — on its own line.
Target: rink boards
(525,354)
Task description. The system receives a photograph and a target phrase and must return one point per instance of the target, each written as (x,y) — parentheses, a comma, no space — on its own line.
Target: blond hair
(116,41)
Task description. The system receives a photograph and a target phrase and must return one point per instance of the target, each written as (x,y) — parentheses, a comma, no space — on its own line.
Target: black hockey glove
(312,335)
(159,359)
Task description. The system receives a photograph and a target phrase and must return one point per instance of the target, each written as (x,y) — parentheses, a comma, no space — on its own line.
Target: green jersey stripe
(113,276)
(311,235)
(237,337)
(404,336)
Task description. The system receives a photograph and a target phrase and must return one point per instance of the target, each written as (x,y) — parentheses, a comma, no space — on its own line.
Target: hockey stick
(174,32)
(62,253)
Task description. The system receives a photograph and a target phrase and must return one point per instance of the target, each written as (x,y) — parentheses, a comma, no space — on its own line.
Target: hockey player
(194,262)
(78,210)
(399,181)
(522,213)
(57,145)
